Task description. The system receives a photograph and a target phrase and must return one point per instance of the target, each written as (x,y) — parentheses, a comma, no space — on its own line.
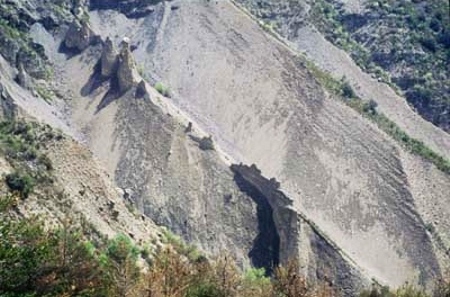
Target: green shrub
(162,89)
(370,107)
(36,262)
(21,183)
(347,90)
(204,289)
(121,248)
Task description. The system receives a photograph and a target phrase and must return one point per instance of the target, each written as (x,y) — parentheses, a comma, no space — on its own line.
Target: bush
(20,183)
(36,262)
(347,90)
(162,89)
(204,289)
(370,107)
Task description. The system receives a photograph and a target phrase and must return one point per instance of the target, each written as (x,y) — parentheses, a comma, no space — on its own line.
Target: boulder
(141,90)
(79,35)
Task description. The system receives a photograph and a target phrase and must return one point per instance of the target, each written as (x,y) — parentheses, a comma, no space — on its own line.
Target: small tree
(120,262)
(346,88)
(163,89)
(370,107)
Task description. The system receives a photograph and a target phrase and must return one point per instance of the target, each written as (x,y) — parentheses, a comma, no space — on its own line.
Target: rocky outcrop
(125,68)
(141,90)
(23,78)
(8,109)
(130,8)
(79,36)
(286,235)
(109,58)
(284,230)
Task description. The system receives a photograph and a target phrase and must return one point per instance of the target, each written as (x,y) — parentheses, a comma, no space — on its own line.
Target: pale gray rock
(78,36)
(108,59)
(126,66)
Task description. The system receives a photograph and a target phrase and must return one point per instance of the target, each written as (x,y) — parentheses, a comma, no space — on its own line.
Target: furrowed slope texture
(295,21)
(263,106)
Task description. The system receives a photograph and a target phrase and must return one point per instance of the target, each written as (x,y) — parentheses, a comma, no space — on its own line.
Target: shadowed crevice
(265,251)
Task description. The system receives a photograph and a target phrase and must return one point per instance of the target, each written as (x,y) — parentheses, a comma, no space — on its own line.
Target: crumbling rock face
(265,192)
(79,36)
(125,69)
(108,59)
(178,185)
(286,235)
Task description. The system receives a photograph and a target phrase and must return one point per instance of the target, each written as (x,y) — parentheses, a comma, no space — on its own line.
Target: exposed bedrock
(79,36)
(130,8)
(175,183)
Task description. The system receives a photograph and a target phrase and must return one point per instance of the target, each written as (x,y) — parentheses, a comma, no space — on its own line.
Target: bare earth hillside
(169,94)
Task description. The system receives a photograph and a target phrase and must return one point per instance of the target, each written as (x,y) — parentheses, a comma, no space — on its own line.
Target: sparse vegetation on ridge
(20,142)
(369,109)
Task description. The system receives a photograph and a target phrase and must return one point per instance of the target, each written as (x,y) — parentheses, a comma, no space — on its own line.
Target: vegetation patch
(22,144)
(22,183)
(404,43)
(68,261)
(45,93)
(163,89)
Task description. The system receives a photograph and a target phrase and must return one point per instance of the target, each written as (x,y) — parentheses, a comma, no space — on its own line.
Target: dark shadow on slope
(68,52)
(112,94)
(71,52)
(131,9)
(266,246)
(95,81)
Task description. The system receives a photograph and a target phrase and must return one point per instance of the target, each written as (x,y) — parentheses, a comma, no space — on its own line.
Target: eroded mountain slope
(160,164)
(263,106)
(361,200)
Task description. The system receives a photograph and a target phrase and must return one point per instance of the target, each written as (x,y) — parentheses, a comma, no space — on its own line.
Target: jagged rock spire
(108,59)
(126,67)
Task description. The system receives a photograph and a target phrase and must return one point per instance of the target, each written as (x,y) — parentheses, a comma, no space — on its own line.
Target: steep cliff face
(161,166)
(287,235)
